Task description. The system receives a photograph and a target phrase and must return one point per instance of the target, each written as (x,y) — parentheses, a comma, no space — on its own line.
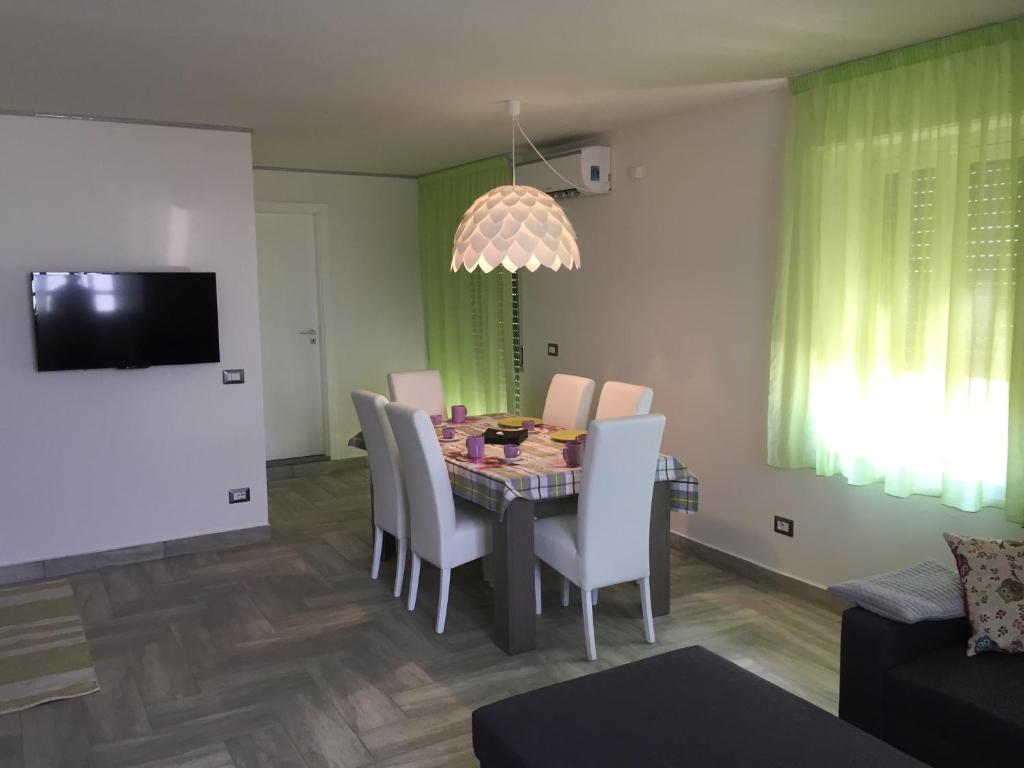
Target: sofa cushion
(926,591)
(992,574)
(871,646)
(981,698)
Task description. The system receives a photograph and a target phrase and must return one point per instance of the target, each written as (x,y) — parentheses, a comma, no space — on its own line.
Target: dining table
(536,484)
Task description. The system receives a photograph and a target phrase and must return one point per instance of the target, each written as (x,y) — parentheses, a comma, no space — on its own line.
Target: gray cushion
(922,592)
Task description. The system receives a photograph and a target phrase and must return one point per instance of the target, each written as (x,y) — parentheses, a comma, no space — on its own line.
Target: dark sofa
(914,686)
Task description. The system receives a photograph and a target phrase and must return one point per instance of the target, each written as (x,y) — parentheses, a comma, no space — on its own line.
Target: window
(896,291)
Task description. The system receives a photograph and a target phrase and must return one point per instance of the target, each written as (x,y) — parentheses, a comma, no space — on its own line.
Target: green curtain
(468,315)
(894,358)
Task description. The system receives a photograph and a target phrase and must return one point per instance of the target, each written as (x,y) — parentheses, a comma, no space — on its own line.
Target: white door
(290,329)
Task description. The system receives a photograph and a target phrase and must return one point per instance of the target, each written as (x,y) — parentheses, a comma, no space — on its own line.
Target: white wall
(676,292)
(94,460)
(373,305)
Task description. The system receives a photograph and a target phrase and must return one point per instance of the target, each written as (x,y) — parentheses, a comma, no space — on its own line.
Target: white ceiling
(408,86)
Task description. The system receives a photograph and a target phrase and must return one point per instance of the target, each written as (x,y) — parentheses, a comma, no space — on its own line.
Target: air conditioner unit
(587,169)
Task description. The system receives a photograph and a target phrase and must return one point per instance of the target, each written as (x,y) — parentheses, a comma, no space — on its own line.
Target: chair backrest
(568,402)
(390,510)
(619,399)
(613,527)
(420,389)
(431,504)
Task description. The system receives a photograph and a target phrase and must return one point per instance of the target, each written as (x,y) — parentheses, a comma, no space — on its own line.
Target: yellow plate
(515,422)
(567,435)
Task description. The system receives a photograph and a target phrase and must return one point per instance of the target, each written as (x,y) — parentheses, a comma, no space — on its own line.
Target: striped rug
(43,651)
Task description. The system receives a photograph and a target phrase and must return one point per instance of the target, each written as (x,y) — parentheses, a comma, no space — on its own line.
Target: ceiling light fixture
(516,226)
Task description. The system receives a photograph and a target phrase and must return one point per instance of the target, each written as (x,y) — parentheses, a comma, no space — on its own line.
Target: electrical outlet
(552,350)
(233,376)
(784,526)
(238,495)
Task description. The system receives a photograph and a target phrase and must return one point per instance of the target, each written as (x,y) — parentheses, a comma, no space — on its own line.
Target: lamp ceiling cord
(513,110)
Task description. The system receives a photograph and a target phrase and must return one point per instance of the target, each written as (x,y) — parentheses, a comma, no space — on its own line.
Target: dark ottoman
(686,708)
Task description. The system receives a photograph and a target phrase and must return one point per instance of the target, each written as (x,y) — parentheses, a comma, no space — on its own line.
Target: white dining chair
(619,399)
(444,531)
(390,507)
(420,389)
(568,402)
(607,541)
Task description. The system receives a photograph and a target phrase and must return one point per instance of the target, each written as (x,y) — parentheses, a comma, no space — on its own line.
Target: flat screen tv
(124,319)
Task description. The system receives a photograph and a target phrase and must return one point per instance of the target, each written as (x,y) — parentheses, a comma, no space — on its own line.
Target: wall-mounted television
(124,319)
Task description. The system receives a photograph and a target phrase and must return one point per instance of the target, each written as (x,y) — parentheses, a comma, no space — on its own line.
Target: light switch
(784,525)
(238,495)
(234,376)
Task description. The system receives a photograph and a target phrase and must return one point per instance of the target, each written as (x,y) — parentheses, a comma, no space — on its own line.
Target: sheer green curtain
(468,315)
(893,338)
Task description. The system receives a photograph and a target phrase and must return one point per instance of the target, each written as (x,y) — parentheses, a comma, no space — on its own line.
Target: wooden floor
(288,655)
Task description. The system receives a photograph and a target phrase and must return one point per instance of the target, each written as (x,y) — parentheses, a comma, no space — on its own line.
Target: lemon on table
(567,435)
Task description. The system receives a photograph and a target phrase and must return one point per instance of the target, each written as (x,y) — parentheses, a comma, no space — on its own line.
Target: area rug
(43,651)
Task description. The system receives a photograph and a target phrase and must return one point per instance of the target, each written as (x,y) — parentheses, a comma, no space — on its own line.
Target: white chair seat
(390,505)
(420,389)
(619,399)
(472,535)
(444,531)
(554,542)
(607,541)
(567,404)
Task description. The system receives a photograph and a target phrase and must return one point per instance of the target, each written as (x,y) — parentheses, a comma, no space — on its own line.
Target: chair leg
(414,581)
(536,585)
(593,596)
(442,600)
(588,624)
(378,544)
(645,604)
(400,568)
(565,592)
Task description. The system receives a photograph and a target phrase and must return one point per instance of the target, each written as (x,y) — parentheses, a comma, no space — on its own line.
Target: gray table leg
(515,622)
(661,521)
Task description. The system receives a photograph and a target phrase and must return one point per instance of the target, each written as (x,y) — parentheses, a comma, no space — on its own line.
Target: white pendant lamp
(515,226)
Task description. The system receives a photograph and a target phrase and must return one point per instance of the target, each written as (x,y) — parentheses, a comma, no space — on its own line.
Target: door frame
(320,246)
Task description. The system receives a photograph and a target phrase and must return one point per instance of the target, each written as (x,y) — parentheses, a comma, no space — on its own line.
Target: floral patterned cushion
(992,574)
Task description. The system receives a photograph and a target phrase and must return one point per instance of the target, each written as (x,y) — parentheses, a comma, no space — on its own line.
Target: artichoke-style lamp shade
(515,226)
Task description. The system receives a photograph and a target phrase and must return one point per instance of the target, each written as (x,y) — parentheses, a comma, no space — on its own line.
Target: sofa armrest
(871,645)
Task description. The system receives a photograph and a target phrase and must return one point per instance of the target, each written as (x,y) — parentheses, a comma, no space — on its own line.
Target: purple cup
(475,447)
(529,425)
(572,453)
(511,450)
(458,414)
(448,433)
(437,419)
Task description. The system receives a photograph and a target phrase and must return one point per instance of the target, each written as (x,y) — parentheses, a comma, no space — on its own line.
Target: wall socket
(552,350)
(784,526)
(238,495)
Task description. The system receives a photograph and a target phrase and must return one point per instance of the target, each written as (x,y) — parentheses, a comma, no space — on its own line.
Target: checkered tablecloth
(540,474)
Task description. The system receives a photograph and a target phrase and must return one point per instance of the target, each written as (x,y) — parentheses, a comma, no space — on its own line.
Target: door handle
(308,332)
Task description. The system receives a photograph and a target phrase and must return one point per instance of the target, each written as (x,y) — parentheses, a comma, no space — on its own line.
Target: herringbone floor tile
(287,655)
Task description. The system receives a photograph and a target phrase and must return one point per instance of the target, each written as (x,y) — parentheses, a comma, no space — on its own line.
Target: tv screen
(124,319)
